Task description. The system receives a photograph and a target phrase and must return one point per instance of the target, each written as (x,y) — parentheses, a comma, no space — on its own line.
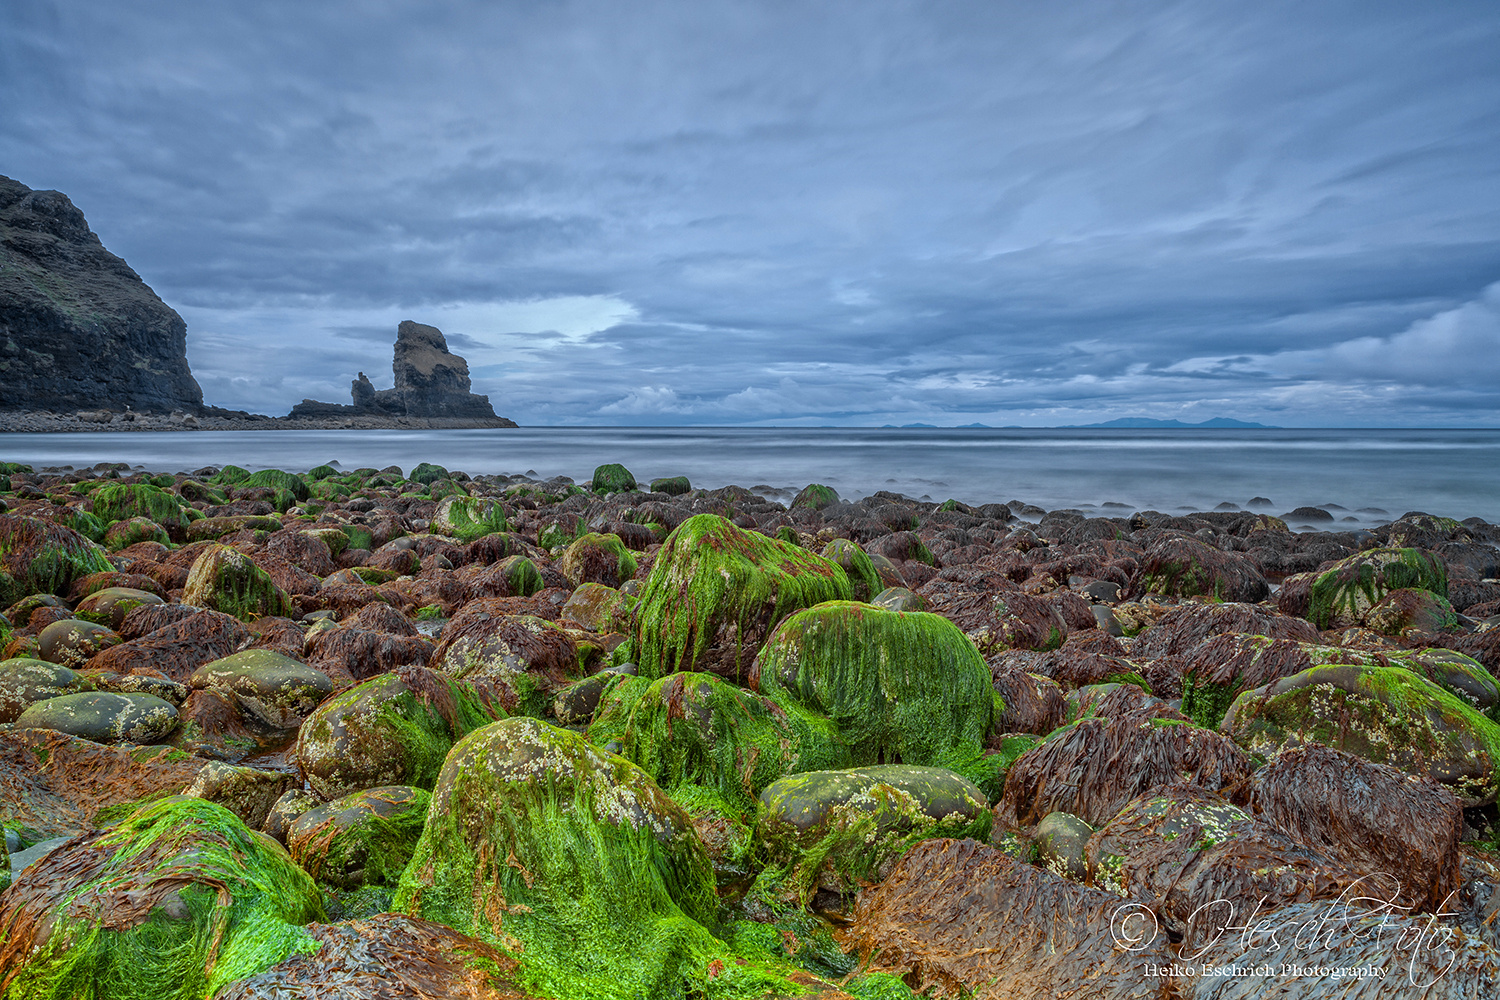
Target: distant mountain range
(1129,423)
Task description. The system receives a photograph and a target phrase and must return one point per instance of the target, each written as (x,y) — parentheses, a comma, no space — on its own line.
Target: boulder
(364,838)
(274,689)
(1341,596)
(41,557)
(225,580)
(73,643)
(394,729)
(716,592)
(176,901)
(834,830)
(1178,566)
(536,841)
(103,717)
(24,681)
(1383,714)
(596,558)
(467,518)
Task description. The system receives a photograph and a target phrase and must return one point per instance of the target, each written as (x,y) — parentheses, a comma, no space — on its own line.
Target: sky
(798,213)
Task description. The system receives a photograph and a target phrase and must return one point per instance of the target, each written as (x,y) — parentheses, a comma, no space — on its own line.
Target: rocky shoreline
(492,736)
(215,419)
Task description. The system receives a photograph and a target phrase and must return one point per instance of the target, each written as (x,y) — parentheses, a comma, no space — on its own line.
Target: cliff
(79,329)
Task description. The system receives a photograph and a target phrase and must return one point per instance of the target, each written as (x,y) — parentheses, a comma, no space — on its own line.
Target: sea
(1363,477)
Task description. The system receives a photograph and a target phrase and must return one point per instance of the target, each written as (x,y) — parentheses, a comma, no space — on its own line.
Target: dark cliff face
(430,381)
(78,328)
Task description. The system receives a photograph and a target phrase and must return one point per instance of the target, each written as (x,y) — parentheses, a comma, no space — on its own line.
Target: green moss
(430,612)
(693,729)
(277,480)
(671,485)
(81,521)
(426,473)
(1343,594)
(1129,677)
(558,533)
(816,496)
(360,537)
(864,582)
(1205,702)
(40,557)
(123,534)
(522,578)
(365,838)
(466,518)
(712,578)
(228,904)
(577,865)
(232,475)
(612,479)
(226,580)
(901,686)
(839,829)
(589,547)
(126,500)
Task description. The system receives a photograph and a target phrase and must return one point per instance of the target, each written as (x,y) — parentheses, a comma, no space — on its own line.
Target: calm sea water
(1448,472)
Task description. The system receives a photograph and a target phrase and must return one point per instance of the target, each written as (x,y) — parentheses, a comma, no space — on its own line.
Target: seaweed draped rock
(716,591)
(900,686)
(576,864)
(177,900)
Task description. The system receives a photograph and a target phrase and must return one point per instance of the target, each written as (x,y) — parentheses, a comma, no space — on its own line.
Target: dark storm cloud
(836,212)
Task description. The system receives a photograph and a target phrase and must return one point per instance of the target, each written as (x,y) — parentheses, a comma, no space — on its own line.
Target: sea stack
(80,330)
(430,380)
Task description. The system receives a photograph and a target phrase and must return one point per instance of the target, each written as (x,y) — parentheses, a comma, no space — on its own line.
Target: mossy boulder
(598,608)
(696,729)
(123,501)
(275,479)
(394,729)
(24,681)
(104,717)
(836,829)
(364,838)
(575,863)
(716,592)
(528,657)
(1411,609)
(211,528)
(110,605)
(427,473)
(598,558)
(864,582)
(1387,715)
(900,686)
(268,686)
(1178,566)
(466,518)
(1341,596)
(123,534)
(41,557)
(224,579)
(613,478)
(815,496)
(672,486)
(73,642)
(516,576)
(172,903)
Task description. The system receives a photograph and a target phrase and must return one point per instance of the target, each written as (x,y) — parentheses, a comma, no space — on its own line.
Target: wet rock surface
(741,743)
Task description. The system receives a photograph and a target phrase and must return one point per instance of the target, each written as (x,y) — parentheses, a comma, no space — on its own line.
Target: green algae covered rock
(693,729)
(109,605)
(123,501)
(267,685)
(716,591)
(1411,608)
(836,829)
(864,582)
(596,558)
(426,473)
(172,903)
(598,608)
(104,717)
(40,557)
(123,534)
(612,479)
(672,486)
(24,681)
(576,864)
(275,479)
(1387,715)
(364,838)
(466,518)
(816,496)
(223,579)
(901,686)
(394,729)
(1341,596)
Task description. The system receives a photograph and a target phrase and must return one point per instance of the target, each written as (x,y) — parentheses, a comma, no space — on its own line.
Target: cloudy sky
(801,212)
